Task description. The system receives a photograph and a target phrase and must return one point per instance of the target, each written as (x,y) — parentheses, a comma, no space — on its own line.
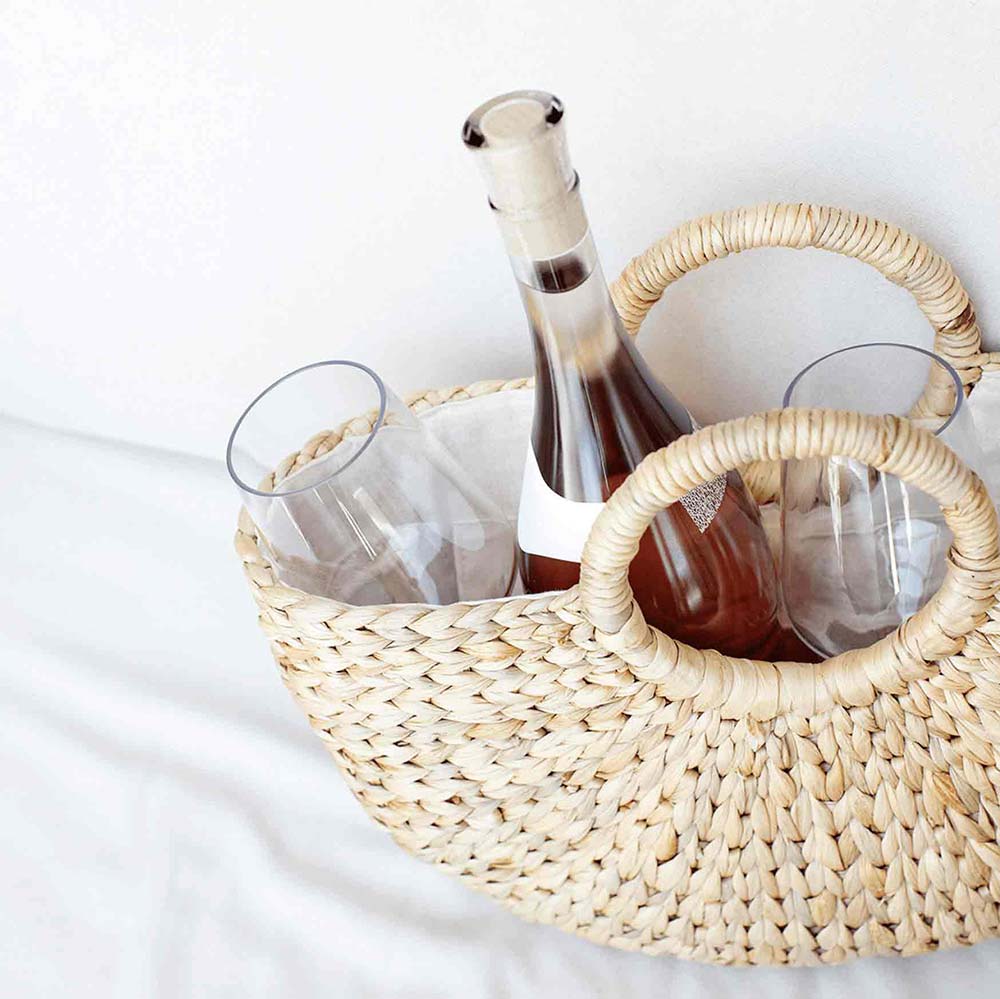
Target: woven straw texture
(589,772)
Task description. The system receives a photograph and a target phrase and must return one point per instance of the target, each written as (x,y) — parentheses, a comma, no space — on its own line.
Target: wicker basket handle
(897,255)
(740,687)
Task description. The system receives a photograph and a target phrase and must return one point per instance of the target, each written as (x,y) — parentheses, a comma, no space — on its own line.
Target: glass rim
(376,426)
(952,373)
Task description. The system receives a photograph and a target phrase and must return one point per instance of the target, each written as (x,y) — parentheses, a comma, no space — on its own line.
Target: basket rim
(780,688)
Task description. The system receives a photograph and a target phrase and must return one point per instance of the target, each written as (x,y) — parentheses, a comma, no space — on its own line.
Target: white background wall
(196,197)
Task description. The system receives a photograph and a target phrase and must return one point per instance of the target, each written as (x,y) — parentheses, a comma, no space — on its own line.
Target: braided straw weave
(589,772)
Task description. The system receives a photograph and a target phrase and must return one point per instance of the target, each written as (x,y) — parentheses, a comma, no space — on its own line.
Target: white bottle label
(549,524)
(554,527)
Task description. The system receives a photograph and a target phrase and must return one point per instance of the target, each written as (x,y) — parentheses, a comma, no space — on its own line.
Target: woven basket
(589,772)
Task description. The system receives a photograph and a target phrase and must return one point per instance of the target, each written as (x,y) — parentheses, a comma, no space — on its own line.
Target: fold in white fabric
(170,827)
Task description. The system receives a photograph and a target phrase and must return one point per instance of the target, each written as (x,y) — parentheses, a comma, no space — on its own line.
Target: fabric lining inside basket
(488,435)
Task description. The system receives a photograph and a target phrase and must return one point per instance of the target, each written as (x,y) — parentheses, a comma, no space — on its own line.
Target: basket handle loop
(897,255)
(741,687)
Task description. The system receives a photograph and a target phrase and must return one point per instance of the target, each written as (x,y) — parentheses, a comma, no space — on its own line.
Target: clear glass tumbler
(863,550)
(385,516)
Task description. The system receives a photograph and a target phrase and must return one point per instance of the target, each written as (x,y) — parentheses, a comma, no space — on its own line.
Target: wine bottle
(704,572)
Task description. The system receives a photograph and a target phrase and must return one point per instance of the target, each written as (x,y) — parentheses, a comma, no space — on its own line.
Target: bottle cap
(520,142)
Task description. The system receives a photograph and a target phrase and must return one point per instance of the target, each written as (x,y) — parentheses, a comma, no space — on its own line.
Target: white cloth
(169,825)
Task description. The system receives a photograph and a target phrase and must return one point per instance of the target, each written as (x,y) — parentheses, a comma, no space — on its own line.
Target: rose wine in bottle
(704,572)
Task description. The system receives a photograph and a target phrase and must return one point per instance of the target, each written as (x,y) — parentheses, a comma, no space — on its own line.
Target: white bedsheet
(170,827)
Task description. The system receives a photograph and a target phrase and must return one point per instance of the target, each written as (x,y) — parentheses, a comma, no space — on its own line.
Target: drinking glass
(385,516)
(863,550)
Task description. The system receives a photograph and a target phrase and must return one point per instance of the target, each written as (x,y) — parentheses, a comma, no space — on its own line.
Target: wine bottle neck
(569,309)
(554,251)
(520,142)
(551,231)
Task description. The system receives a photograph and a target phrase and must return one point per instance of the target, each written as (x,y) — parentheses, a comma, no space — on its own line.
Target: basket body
(616,785)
